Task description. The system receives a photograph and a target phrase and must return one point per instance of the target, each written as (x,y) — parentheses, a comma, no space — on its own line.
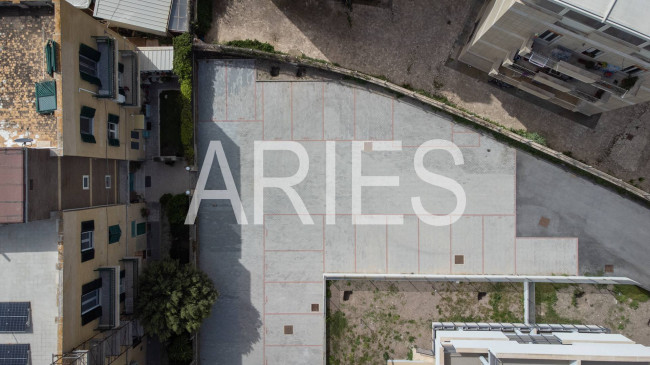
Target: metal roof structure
(149,16)
(630,15)
(156,58)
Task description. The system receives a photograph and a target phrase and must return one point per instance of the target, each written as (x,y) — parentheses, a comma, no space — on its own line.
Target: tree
(173,299)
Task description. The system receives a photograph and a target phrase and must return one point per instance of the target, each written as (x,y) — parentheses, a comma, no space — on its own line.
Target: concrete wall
(72,20)
(28,266)
(77,273)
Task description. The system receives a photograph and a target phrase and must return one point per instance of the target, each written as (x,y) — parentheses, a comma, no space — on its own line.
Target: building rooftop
(24,35)
(11,185)
(630,15)
(156,58)
(152,15)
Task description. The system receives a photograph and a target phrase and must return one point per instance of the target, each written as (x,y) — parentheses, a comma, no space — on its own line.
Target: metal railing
(104,348)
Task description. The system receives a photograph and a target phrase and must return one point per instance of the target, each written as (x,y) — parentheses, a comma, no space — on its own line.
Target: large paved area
(415,42)
(270,274)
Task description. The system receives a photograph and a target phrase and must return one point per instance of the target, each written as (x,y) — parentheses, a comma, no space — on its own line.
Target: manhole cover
(544,222)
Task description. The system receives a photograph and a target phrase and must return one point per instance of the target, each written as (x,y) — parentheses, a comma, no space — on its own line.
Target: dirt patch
(383,320)
(411,42)
(623,309)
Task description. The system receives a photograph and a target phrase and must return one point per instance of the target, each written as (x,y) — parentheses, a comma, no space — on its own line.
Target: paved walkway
(410,42)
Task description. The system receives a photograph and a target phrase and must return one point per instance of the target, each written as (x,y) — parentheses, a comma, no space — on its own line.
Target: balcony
(132,267)
(106,72)
(105,348)
(110,297)
(128,79)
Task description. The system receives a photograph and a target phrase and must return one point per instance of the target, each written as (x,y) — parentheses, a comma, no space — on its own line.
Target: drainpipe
(25,184)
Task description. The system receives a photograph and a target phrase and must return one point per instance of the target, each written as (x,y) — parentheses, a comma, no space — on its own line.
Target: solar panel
(14,354)
(14,316)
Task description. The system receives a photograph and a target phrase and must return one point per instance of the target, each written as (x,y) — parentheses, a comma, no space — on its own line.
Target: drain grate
(609,268)
(544,222)
(288,330)
(459,259)
(314,307)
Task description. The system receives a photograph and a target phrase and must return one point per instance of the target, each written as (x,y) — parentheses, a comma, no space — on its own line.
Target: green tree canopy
(173,299)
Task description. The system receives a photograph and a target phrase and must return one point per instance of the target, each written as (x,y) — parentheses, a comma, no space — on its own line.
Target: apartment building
(585,56)
(516,343)
(73,229)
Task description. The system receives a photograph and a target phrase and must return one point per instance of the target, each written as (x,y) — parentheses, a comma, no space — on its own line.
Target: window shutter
(142,228)
(114,233)
(88,138)
(88,287)
(114,142)
(87,255)
(91,316)
(87,112)
(132,228)
(87,226)
(89,52)
(112,118)
(90,78)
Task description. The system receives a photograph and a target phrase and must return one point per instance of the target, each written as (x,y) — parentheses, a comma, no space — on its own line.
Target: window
(88,58)
(624,36)
(86,124)
(85,182)
(107,181)
(87,240)
(114,233)
(90,301)
(113,130)
(549,6)
(138,229)
(592,52)
(122,285)
(135,145)
(549,36)
(631,70)
(583,19)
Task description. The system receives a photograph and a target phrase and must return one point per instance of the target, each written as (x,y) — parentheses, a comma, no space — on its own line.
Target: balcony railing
(106,71)
(128,78)
(105,348)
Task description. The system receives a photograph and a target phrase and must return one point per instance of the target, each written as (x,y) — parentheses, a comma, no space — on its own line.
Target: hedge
(183,69)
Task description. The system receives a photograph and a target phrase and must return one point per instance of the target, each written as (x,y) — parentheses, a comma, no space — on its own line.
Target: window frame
(593,54)
(96,297)
(91,124)
(113,130)
(85,182)
(553,39)
(107,181)
(639,70)
(89,240)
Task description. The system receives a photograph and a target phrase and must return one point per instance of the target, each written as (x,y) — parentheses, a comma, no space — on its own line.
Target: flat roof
(12,186)
(270,274)
(156,58)
(148,14)
(24,34)
(630,15)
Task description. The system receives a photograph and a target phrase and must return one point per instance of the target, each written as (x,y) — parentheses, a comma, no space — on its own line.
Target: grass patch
(253,44)
(546,299)
(632,292)
(170,123)
(337,324)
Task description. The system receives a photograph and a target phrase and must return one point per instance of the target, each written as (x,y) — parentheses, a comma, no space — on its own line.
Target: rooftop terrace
(24,33)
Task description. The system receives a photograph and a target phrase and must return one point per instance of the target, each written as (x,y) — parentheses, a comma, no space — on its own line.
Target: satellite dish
(24,141)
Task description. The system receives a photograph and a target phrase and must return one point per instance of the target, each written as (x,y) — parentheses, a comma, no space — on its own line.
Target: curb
(459,116)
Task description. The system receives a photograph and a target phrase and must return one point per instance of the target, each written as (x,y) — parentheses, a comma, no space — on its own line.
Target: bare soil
(413,42)
(380,320)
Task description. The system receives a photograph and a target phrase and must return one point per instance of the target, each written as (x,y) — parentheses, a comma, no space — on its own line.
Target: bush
(175,207)
(173,299)
(180,350)
(204,14)
(253,44)
(183,56)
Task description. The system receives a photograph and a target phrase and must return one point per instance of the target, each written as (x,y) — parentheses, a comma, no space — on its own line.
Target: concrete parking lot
(270,271)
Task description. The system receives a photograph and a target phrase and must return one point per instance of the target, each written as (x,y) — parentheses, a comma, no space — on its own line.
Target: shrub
(183,69)
(180,350)
(204,17)
(175,207)
(183,56)
(253,44)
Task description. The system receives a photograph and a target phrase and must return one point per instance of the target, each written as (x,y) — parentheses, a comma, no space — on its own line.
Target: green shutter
(88,138)
(142,228)
(132,228)
(87,112)
(112,118)
(50,57)
(45,97)
(114,233)
(89,52)
(90,78)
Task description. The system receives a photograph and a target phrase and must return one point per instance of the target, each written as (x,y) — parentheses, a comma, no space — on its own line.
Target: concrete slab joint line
(554,156)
